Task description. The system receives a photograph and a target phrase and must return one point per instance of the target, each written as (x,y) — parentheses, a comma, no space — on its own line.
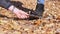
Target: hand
(19,13)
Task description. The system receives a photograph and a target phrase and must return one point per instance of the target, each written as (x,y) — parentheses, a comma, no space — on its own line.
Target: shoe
(39,11)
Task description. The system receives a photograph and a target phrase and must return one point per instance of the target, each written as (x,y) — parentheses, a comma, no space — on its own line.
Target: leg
(8,0)
(39,8)
(40,1)
(5,3)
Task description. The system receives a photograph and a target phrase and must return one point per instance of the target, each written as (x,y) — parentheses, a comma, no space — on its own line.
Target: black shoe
(39,10)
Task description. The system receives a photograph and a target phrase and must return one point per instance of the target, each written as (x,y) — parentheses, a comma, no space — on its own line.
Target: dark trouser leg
(8,0)
(40,8)
(5,3)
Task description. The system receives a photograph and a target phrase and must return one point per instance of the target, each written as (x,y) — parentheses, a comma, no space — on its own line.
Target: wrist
(11,8)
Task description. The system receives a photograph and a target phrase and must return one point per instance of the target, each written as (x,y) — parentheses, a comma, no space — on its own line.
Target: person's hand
(19,13)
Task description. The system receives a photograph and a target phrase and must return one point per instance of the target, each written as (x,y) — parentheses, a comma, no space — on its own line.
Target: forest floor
(48,24)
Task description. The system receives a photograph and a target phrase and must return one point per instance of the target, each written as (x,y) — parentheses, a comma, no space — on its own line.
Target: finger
(23,16)
(24,13)
(18,15)
(26,16)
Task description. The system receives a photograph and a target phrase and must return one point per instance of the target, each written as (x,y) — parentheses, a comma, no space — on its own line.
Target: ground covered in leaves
(49,24)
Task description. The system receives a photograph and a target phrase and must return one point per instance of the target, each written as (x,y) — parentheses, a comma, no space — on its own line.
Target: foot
(39,10)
